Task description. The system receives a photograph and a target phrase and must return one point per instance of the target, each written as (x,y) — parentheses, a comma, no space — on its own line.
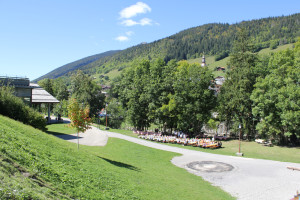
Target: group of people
(179,139)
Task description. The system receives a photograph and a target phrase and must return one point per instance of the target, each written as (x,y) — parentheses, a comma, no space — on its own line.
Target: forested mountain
(212,39)
(65,69)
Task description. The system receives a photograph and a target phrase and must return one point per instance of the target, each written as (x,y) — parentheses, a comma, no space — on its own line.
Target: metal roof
(39,95)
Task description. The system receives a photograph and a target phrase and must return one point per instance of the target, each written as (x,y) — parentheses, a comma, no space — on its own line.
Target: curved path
(244,178)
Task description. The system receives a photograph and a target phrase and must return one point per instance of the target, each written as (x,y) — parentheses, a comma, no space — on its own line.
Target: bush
(13,107)
(222,55)
(273,45)
(121,68)
(116,114)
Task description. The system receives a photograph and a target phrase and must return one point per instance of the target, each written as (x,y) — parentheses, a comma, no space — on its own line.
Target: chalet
(105,87)
(219,80)
(217,84)
(221,69)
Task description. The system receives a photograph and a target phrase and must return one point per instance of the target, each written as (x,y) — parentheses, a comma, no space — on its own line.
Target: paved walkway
(92,137)
(248,179)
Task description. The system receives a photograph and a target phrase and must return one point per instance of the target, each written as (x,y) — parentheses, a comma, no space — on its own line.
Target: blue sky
(37,36)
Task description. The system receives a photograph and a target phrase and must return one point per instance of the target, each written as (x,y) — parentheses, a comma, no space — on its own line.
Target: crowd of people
(179,138)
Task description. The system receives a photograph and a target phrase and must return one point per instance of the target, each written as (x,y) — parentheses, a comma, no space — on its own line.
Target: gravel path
(92,137)
(244,178)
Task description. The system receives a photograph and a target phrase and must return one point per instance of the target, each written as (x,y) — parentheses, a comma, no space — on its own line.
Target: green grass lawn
(253,150)
(249,148)
(37,165)
(60,128)
(124,132)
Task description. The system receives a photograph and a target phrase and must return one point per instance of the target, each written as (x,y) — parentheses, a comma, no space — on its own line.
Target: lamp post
(240,138)
(106,128)
(239,153)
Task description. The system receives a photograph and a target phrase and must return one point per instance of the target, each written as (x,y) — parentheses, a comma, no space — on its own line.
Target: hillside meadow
(210,61)
(212,64)
(36,165)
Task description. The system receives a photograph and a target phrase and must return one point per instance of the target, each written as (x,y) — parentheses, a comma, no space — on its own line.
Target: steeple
(203,64)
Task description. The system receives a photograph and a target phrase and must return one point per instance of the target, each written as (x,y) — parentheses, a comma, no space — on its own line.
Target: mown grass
(36,165)
(253,150)
(57,129)
(249,148)
(124,132)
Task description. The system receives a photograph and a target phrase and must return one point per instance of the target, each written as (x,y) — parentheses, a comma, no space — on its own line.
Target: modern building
(31,93)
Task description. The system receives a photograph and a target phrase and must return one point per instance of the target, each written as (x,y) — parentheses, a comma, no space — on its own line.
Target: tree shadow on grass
(120,164)
(63,136)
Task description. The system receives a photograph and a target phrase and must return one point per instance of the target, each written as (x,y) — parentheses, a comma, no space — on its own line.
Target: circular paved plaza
(210,166)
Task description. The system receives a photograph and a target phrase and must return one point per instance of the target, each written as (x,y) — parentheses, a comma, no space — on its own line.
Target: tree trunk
(77,139)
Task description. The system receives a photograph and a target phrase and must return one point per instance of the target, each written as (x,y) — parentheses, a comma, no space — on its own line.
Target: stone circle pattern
(210,166)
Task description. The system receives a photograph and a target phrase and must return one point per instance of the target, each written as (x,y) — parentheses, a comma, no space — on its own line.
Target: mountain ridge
(65,69)
(212,38)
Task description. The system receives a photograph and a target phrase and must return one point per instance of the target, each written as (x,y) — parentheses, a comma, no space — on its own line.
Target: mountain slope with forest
(65,69)
(212,39)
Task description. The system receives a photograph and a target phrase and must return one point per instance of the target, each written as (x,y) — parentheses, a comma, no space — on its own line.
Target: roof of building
(39,95)
(17,82)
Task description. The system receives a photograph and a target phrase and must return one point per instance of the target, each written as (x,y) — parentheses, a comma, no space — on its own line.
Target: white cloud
(134,10)
(129,22)
(145,21)
(125,37)
(142,22)
(129,33)
(122,38)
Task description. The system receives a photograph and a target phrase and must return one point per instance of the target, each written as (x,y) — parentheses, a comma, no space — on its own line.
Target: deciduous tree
(192,100)
(87,92)
(277,98)
(79,117)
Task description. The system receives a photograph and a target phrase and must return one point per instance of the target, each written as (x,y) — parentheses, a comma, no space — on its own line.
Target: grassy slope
(250,149)
(57,129)
(112,74)
(210,61)
(121,170)
(212,64)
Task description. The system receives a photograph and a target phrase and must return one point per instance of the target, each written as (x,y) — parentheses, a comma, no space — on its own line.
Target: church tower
(203,64)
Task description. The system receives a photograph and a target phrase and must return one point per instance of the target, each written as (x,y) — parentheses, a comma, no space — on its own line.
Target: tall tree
(47,84)
(60,89)
(87,92)
(277,98)
(192,100)
(166,112)
(235,104)
(138,104)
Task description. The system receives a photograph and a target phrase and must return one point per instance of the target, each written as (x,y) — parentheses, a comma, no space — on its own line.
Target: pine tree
(234,99)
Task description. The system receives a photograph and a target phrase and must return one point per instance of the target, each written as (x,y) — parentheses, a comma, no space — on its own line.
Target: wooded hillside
(65,69)
(212,39)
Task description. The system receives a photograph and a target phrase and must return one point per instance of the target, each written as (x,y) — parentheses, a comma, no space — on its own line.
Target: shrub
(121,68)
(222,55)
(273,44)
(13,107)
(116,114)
